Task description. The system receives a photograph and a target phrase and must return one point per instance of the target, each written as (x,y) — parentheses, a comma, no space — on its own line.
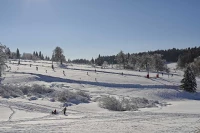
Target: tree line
(182,56)
(57,55)
(28,56)
(80,61)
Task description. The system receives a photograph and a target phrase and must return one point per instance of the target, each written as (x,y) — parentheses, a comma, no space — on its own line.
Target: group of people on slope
(64,111)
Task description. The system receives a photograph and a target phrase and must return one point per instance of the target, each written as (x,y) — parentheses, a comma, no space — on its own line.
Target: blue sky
(86,28)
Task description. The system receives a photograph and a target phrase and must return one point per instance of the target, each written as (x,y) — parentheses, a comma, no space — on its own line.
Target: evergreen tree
(121,59)
(92,61)
(3,59)
(99,60)
(36,54)
(8,52)
(58,55)
(188,83)
(132,61)
(18,54)
(40,55)
(158,62)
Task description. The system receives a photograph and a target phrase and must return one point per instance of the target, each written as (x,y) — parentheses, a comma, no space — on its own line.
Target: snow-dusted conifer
(189,81)
(3,58)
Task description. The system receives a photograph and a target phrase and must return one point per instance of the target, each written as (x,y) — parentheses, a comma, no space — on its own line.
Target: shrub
(38,91)
(83,94)
(73,97)
(111,103)
(8,91)
(33,98)
(124,104)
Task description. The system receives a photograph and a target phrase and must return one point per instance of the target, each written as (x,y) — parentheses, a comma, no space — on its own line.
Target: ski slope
(181,113)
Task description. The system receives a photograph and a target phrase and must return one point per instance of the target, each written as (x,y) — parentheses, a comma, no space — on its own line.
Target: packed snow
(27,111)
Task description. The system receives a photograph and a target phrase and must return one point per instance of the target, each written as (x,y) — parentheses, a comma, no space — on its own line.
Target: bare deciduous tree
(58,55)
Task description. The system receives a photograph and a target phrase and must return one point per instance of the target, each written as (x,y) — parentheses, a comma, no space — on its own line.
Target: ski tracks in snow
(11,115)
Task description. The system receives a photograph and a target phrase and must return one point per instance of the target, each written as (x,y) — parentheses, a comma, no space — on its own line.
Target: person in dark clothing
(64,110)
(54,112)
(52,67)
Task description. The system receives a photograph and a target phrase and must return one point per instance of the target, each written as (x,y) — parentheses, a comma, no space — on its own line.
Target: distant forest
(186,55)
(170,55)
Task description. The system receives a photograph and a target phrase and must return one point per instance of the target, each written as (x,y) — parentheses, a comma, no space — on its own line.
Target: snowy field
(179,112)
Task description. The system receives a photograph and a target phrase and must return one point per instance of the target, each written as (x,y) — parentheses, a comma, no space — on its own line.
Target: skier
(52,67)
(63,72)
(64,110)
(54,112)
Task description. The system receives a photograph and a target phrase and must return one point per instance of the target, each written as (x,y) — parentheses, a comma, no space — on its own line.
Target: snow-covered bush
(3,59)
(73,97)
(112,103)
(105,64)
(195,66)
(83,94)
(125,104)
(38,91)
(64,96)
(17,91)
(33,98)
(7,91)
(143,102)
(52,100)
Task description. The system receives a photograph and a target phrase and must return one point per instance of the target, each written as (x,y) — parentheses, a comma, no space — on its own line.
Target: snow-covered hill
(22,115)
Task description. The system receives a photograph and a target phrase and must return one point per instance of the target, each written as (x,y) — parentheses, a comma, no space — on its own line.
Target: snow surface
(179,113)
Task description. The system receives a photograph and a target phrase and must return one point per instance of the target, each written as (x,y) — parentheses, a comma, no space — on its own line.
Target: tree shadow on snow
(180,95)
(49,79)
